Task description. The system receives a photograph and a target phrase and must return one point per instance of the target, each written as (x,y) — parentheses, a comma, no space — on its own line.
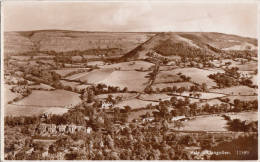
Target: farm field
(8,94)
(135,103)
(204,95)
(137,114)
(17,110)
(217,122)
(131,65)
(59,98)
(133,80)
(178,85)
(155,97)
(242,98)
(41,86)
(236,90)
(91,77)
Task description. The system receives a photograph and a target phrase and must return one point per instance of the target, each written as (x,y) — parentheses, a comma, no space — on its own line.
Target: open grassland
(206,123)
(155,97)
(41,86)
(216,122)
(131,65)
(135,103)
(211,102)
(242,98)
(92,77)
(236,90)
(197,75)
(249,66)
(166,77)
(16,110)
(57,98)
(178,85)
(8,94)
(250,116)
(254,79)
(204,95)
(133,80)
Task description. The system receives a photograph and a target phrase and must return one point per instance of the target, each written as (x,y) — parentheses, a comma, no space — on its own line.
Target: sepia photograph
(129,80)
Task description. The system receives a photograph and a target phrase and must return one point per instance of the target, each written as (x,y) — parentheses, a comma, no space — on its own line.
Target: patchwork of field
(236,90)
(131,65)
(57,98)
(197,75)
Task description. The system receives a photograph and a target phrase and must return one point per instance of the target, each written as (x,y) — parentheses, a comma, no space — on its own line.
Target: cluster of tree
(223,80)
(237,125)
(41,75)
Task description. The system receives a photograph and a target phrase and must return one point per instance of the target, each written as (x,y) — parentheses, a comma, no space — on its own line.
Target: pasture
(134,103)
(236,90)
(131,65)
(178,85)
(17,110)
(57,98)
(133,80)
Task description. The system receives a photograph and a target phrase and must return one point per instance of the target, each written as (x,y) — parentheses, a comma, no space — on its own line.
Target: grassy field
(236,90)
(135,103)
(166,77)
(16,110)
(178,85)
(137,114)
(41,86)
(93,76)
(155,97)
(133,80)
(8,94)
(242,98)
(204,95)
(131,65)
(217,123)
(250,116)
(57,98)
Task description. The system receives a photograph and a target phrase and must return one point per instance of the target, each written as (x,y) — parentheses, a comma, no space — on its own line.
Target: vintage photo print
(129,80)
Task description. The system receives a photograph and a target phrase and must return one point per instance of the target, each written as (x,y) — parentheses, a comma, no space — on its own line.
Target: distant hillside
(188,43)
(64,41)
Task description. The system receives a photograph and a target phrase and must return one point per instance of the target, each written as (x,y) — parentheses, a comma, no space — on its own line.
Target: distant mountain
(127,44)
(181,43)
(64,41)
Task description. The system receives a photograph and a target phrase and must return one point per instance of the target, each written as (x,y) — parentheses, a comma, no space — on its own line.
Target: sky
(145,16)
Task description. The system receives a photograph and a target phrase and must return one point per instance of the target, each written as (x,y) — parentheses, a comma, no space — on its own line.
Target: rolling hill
(183,43)
(65,41)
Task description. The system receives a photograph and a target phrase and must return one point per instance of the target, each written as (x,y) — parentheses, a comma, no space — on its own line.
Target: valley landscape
(72,95)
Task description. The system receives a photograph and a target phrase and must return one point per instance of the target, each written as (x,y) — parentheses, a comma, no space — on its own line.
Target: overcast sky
(231,18)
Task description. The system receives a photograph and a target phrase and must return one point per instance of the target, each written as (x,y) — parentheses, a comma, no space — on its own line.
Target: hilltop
(196,43)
